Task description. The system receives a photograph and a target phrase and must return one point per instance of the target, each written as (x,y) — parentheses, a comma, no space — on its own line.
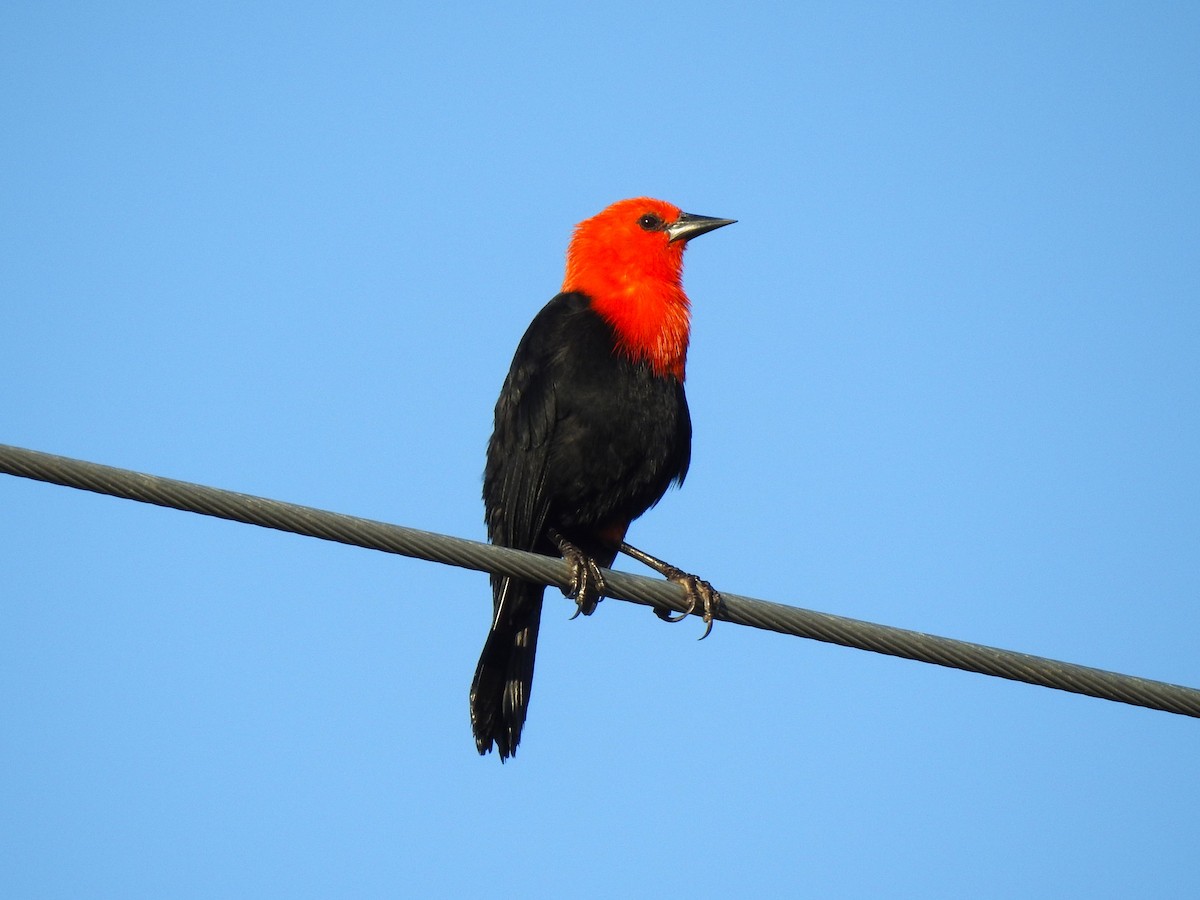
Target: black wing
(517,504)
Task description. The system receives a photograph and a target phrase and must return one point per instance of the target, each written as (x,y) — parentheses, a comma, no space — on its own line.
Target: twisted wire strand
(789,620)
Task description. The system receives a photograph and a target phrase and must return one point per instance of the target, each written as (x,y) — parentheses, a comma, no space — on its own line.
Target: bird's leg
(587,584)
(698,590)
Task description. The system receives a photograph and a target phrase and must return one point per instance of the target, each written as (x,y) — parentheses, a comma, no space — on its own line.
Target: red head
(629,260)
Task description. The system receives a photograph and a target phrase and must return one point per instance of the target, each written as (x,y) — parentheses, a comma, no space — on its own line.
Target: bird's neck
(652,323)
(649,316)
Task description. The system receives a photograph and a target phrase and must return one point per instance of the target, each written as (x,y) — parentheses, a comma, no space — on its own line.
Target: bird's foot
(587,584)
(700,592)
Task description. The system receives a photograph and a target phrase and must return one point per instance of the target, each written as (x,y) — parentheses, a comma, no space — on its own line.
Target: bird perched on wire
(591,428)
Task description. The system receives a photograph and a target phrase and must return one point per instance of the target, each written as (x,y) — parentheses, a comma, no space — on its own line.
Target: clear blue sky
(945,374)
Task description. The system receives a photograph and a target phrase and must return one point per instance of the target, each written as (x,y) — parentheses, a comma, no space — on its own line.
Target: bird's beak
(688,226)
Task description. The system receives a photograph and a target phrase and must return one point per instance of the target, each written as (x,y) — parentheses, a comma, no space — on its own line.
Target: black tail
(504,676)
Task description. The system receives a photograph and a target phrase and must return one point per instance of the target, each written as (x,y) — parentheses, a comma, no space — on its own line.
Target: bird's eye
(650,222)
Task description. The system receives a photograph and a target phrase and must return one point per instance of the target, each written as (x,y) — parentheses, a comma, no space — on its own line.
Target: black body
(586,439)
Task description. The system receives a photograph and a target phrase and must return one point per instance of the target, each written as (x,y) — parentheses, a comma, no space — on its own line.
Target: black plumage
(586,439)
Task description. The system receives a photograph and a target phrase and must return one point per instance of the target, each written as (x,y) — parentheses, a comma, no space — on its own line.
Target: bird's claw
(667,616)
(699,592)
(587,586)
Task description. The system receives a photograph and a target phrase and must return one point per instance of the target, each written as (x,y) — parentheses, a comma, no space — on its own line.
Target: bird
(591,428)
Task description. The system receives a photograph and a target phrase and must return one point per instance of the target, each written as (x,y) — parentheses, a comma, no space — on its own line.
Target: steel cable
(454,551)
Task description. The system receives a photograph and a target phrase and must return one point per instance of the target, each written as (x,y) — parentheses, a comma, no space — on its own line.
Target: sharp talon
(699,593)
(587,584)
(712,603)
(698,590)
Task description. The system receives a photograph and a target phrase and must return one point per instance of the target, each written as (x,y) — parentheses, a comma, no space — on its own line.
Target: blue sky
(945,374)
